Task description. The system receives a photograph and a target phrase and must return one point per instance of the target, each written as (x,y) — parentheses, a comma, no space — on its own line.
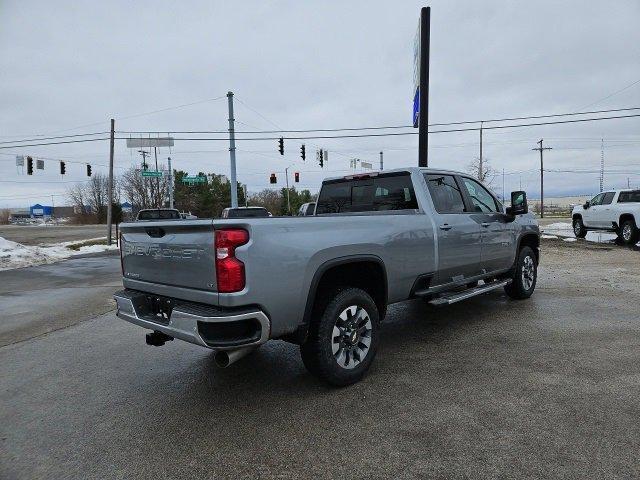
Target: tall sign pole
(232,153)
(423,95)
(110,183)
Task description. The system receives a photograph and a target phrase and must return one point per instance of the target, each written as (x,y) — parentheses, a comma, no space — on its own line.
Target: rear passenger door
(459,236)
(497,235)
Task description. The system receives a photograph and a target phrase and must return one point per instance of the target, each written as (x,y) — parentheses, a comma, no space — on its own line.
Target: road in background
(491,387)
(40,299)
(39,234)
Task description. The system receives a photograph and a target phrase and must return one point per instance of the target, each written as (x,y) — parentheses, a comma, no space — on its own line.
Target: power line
(394,134)
(614,93)
(39,139)
(389,127)
(55,143)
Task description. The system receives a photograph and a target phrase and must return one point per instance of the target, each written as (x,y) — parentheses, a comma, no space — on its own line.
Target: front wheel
(343,340)
(629,232)
(525,276)
(578,228)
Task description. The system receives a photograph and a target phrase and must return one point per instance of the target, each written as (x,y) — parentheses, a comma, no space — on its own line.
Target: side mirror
(519,204)
(586,205)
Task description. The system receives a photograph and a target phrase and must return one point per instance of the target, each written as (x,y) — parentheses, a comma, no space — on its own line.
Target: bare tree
(145,192)
(5,213)
(272,200)
(488,173)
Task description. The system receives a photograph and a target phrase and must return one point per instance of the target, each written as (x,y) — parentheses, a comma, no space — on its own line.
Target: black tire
(318,350)
(578,228)
(522,286)
(629,233)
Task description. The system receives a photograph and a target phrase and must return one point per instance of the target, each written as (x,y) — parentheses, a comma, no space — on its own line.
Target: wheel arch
(626,216)
(529,240)
(345,269)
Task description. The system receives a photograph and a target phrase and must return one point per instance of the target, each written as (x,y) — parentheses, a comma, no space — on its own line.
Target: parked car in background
(307,209)
(245,212)
(187,216)
(158,214)
(324,283)
(615,211)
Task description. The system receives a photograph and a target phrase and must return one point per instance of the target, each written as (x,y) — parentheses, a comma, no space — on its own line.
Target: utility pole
(502,184)
(110,183)
(423,119)
(246,201)
(480,164)
(170,182)
(232,153)
(381,162)
(158,200)
(286,175)
(541,149)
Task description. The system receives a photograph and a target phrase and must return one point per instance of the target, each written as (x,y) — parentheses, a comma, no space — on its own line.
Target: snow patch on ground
(15,255)
(548,236)
(569,239)
(558,226)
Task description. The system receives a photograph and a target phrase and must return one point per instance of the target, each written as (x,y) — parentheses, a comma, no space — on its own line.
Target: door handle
(446,226)
(485,224)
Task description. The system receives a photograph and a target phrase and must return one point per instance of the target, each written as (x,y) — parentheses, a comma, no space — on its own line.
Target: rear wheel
(343,340)
(578,228)
(629,232)
(525,276)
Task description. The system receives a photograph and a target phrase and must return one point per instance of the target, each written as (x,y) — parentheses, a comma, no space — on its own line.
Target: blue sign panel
(416,108)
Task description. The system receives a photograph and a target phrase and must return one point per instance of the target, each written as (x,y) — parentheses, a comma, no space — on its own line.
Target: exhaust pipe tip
(224,358)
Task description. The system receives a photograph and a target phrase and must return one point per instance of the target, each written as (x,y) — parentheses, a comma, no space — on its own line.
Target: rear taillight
(121,260)
(230,270)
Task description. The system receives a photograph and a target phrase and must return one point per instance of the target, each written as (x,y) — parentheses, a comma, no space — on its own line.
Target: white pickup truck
(613,211)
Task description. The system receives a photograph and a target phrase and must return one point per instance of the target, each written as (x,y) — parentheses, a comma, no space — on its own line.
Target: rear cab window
(159,215)
(386,192)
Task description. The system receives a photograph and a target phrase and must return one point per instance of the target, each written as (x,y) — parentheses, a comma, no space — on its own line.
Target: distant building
(40,211)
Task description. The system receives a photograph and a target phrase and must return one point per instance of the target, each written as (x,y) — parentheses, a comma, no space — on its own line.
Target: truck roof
(397,170)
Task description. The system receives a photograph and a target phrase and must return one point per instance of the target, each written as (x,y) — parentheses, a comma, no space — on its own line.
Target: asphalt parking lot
(488,388)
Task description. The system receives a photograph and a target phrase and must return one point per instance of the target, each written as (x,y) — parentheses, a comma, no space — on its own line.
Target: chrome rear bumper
(194,323)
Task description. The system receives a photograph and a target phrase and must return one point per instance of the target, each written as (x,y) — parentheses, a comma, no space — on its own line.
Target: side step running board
(449,298)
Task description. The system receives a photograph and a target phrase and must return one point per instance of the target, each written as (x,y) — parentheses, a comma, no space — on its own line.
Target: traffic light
(303,154)
(88,170)
(273,179)
(281,145)
(296,176)
(321,159)
(63,168)
(29,166)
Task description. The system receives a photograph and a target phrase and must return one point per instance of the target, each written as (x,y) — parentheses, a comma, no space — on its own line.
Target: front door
(591,217)
(459,236)
(497,251)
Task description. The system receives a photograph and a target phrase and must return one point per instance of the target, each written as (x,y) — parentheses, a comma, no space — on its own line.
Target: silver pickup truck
(324,281)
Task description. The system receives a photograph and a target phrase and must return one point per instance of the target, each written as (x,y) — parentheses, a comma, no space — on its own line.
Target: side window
(625,197)
(394,193)
(608,198)
(445,193)
(597,200)
(482,200)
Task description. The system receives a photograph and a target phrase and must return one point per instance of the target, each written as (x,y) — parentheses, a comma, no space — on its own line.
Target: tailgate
(177,253)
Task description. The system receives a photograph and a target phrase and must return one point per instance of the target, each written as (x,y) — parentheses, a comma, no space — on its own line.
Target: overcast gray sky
(65,65)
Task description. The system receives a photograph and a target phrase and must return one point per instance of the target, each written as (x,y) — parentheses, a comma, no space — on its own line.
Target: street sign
(151,173)
(149,142)
(366,165)
(19,161)
(40,164)
(193,180)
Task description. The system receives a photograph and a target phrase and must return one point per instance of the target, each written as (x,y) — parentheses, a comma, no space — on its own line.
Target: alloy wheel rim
(577,228)
(626,232)
(528,272)
(351,337)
